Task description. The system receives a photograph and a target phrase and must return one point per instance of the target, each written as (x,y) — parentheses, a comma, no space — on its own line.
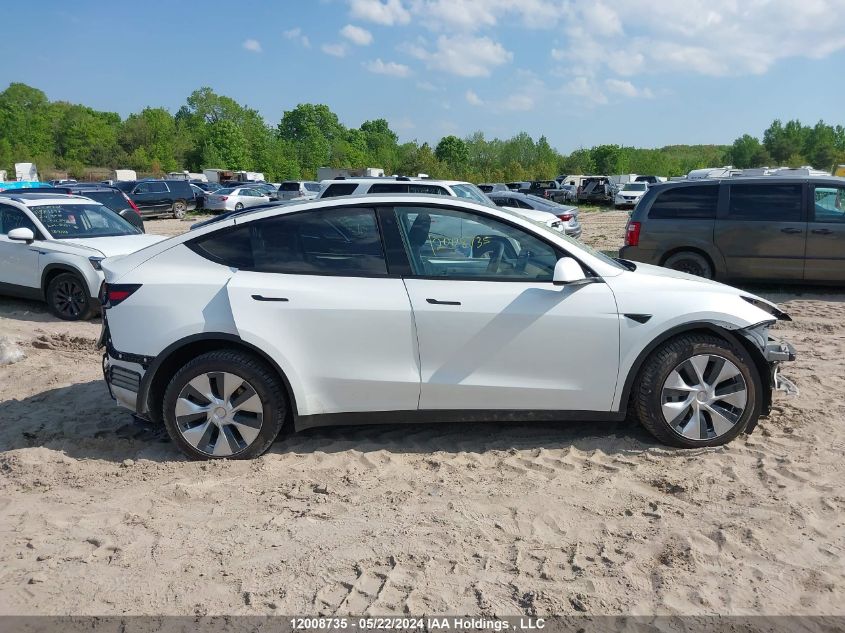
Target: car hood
(117,245)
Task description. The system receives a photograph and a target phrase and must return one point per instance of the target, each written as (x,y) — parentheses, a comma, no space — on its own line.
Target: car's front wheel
(67,298)
(224,404)
(697,390)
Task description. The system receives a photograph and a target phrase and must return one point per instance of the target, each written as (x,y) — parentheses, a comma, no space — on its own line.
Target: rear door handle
(443,303)
(822,231)
(791,230)
(263,298)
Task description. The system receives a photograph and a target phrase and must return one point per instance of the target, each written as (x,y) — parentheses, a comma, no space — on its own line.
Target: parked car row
(551,189)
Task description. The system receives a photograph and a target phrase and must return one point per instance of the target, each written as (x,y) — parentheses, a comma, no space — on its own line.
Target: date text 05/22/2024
(423,623)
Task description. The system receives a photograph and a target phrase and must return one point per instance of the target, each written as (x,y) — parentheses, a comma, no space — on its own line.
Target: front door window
(460,245)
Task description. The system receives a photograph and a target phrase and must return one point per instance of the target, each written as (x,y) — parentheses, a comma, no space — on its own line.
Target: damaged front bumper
(770,354)
(776,353)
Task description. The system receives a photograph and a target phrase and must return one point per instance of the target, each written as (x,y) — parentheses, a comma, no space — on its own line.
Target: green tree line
(212,130)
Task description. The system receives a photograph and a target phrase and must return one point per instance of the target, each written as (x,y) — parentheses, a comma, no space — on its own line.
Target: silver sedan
(519,201)
(235,199)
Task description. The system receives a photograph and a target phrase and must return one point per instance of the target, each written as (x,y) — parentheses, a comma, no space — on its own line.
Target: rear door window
(765,202)
(339,189)
(322,242)
(686,203)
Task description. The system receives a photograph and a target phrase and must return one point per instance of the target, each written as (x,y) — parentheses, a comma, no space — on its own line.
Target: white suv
(401,184)
(51,246)
(401,308)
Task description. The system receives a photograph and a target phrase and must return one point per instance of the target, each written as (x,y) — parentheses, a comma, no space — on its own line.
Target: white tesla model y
(411,308)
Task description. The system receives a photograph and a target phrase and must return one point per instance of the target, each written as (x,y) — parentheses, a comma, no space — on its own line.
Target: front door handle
(822,231)
(443,303)
(791,231)
(263,298)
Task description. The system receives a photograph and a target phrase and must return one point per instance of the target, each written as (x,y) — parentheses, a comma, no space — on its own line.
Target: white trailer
(26,171)
(125,174)
(330,173)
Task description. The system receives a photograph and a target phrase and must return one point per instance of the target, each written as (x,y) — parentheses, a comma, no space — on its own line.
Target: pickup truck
(551,190)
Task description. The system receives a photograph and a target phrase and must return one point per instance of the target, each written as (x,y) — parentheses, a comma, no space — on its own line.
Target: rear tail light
(566,217)
(115,294)
(132,205)
(224,198)
(632,233)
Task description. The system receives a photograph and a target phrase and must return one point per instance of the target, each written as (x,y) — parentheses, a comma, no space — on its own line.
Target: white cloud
(357,35)
(387,13)
(518,103)
(515,103)
(474,15)
(627,89)
(585,88)
(473,99)
(463,56)
(427,86)
(297,35)
(392,69)
(706,37)
(335,50)
(253,46)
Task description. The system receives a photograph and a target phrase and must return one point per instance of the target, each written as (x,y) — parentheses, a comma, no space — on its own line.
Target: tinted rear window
(339,189)
(686,203)
(766,202)
(320,242)
(112,199)
(290,186)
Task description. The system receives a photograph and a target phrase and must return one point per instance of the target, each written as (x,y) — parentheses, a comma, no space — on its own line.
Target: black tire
(691,263)
(67,298)
(239,206)
(251,369)
(646,398)
(179,208)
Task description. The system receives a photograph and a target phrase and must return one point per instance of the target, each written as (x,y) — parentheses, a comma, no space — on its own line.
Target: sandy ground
(100,515)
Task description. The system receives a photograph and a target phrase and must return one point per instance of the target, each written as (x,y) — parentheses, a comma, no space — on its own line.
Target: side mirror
(568,271)
(22,234)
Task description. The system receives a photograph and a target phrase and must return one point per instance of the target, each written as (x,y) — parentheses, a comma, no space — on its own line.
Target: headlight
(95,262)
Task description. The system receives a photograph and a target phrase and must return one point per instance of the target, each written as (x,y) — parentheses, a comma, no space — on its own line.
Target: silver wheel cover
(704,397)
(219,413)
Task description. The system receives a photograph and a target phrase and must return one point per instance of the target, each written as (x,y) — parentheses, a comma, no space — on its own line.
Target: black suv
(754,228)
(159,197)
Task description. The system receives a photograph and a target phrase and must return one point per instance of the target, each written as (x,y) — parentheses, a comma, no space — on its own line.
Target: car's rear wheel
(691,263)
(239,206)
(697,390)
(179,209)
(67,298)
(224,404)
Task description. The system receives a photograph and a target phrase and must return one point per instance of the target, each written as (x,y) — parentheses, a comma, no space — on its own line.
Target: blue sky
(582,72)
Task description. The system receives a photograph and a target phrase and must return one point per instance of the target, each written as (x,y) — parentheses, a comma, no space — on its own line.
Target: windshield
(471,192)
(635,186)
(81,220)
(223,192)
